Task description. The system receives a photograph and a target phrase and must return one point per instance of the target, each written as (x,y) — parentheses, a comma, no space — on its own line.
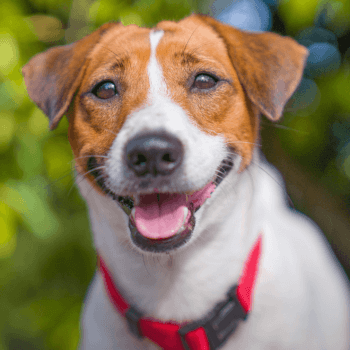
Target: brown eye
(204,81)
(105,90)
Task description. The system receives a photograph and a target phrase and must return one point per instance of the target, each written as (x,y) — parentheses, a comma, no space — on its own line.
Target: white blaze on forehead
(203,152)
(154,70)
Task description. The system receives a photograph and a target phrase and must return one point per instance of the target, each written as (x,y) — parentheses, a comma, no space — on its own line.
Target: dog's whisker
(52,182)
(92,170)
(78,179)
(219,172)
(183,52)
(114,53)
(284,127)
(82,177)
(89,156)
(96,181)
(195,50)
(91,187)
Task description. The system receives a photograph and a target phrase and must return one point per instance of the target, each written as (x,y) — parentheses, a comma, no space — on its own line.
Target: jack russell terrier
(197,247)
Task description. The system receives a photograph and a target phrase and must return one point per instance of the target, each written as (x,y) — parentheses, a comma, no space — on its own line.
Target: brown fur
(258,74)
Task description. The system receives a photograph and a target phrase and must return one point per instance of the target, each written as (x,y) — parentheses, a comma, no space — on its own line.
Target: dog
(196,243)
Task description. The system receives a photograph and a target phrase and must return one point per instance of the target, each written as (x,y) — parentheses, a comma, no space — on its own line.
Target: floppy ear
(53,76)
(268,65)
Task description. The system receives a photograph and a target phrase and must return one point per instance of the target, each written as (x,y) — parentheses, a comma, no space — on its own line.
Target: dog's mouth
(158,221)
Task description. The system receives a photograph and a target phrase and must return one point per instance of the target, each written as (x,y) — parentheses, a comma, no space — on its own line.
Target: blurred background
(46,253)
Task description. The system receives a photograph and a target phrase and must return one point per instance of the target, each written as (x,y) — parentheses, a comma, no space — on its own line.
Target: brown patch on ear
(268,65)
(52,77)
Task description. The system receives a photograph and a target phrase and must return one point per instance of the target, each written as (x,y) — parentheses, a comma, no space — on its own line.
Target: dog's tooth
(185,216)
(136,198)
(132,214)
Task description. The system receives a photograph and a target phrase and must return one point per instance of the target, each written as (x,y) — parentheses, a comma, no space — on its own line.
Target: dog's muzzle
(159,222)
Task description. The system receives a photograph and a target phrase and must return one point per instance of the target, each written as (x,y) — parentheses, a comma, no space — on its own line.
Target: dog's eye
(105,90)
(204,81)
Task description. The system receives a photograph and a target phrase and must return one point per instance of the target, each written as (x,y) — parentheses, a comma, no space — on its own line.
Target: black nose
(154,154)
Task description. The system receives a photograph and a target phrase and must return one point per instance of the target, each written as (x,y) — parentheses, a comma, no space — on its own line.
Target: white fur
(301,299)
(161,113)
(154,70)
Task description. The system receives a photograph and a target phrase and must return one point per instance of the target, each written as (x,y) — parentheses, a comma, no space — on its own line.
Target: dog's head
(158,117)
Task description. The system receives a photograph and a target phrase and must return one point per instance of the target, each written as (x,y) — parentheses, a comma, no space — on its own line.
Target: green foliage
(46,253)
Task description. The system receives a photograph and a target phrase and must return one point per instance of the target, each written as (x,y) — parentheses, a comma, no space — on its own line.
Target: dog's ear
(53,76)
(268,65)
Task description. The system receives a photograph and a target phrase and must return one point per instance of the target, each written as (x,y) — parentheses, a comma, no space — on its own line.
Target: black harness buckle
(220,323)
(132,316)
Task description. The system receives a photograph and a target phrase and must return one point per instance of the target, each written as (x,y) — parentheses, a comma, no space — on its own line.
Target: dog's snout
(154,154)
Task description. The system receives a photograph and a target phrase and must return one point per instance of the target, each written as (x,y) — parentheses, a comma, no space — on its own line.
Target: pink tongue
(162,215)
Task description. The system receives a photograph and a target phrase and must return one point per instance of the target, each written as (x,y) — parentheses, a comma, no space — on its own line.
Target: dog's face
(158,117)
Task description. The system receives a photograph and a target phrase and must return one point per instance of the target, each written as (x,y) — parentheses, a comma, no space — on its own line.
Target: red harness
(208,333)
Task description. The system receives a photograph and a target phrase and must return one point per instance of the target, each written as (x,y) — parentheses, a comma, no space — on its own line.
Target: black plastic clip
(225,319)
(220,323)
(133,316)
(186,329)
